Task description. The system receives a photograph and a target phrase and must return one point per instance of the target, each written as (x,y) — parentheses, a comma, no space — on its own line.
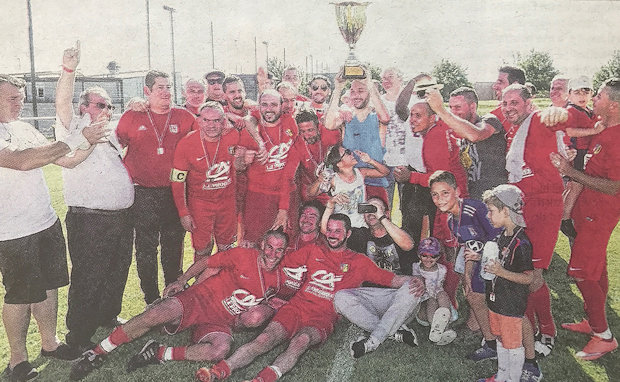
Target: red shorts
(217,219)
(259,214)
(543,216)
(200,310)
(589,253)
(509,329)
(293,317)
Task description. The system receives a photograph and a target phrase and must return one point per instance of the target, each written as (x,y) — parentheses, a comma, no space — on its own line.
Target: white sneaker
(447,337)
(440,321)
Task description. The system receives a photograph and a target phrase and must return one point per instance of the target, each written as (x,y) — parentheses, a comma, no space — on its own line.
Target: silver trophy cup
(351,18)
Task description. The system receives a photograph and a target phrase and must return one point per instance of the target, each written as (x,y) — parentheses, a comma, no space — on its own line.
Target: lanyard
(204,149)
(316,163)
(262,280)
(279,134)
(160,137)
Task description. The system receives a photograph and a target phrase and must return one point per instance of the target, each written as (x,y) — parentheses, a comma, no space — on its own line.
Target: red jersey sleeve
(122,129)
(374,274)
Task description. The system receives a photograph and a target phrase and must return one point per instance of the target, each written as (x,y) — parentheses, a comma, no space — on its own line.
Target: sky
(412,35)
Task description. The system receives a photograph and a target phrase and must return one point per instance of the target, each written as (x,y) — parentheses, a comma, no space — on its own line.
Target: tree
(538,67)
(451,75)
(610,69)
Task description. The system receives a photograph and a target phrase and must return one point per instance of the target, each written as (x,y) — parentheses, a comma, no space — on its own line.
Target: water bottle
(326,174)
(490,252)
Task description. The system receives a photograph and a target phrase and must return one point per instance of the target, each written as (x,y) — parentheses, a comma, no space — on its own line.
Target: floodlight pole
(174,69)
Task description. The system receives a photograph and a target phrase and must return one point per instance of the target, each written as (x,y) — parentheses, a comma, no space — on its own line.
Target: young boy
(468,224)
(507,292)
(437,303)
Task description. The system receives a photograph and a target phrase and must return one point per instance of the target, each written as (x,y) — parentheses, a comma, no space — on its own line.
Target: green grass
(391,362)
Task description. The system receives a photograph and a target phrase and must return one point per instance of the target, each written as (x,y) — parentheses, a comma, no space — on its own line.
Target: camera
(366,208)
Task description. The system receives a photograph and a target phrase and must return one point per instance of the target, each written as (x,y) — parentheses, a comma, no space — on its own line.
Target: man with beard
(320,90)
(309,317)
(363,131)
(237,106)
(195,94)
(217,301)
(507,75)
(309,228)
(483,144)
(151,137)
(264,208)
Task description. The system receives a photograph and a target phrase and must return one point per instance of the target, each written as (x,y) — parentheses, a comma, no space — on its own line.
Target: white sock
(503,363)
(167,354)
(276,370)
(606,335)
(515,363)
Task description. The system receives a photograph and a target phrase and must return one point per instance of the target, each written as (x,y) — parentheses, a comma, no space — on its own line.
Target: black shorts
(34,264)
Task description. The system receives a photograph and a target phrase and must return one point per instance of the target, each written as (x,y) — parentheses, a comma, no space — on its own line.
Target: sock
(492,344)
(603,282)
(268,374)
(542,309)
(516,358)
(594,299)
(532,362)
(606,335)
(114,340)
(372,343)
(503,363)
(221,369)
(171,353)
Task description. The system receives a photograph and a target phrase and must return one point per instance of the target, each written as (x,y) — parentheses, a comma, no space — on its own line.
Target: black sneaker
(63,352)
(405,335)
(88,362)
(359,348)
(146,356)
(568,228)
(23,371)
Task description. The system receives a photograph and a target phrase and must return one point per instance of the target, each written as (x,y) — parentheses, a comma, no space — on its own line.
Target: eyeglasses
(213,81)
(102,105)
(322,87)
(346,152)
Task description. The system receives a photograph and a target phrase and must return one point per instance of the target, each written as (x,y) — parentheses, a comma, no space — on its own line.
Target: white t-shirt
(432,279)
(101,181)
(357,194)
(25,206)
(395,134)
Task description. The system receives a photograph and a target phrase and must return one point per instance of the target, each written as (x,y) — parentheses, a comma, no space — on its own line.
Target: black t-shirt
(382,250)
(515,255)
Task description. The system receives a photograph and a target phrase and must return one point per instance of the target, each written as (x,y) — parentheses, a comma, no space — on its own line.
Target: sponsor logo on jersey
(142,128)
(294,276)
(277,156)
(240,301)
(174,129)
(218,176)
(597,149)
(325,280)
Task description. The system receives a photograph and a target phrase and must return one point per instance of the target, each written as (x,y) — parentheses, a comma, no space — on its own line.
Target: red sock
(221,369)
(171,353)
(267,375)
(542,308)
(603,282)
(595,304)
(114,340)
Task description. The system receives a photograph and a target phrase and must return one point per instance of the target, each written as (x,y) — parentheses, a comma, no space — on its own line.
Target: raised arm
(606,186)
(402,103)
(332,118)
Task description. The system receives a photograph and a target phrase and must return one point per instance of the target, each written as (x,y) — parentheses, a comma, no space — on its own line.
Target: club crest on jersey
(344,267)
(597,149)
(289,132)
(142,128)
(174,129)
(240,301)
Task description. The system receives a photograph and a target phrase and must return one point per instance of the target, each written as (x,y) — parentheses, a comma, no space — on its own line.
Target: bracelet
(382,217)
(67,69)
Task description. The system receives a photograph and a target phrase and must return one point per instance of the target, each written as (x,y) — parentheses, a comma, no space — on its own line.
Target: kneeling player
(244,281)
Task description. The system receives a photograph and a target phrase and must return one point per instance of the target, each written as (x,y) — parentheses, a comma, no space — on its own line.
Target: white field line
(344,364)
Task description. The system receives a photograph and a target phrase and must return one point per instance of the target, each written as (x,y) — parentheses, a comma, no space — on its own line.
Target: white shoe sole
(440,321)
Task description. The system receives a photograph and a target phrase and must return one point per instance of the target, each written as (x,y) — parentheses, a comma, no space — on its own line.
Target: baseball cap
(581,82)
(512,197)
(430,245)
(425,83)
(217,72)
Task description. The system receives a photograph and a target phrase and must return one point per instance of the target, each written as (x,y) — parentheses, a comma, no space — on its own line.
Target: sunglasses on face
(346,152)
(428,256)
(213,81)
(102,106)
(322,87)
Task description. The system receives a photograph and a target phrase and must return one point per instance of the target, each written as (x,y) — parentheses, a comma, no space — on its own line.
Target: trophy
(351,18)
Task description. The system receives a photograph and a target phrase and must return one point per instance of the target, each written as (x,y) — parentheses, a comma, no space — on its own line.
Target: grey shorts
(34,264)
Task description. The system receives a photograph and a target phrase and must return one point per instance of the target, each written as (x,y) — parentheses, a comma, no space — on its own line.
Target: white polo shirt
(25,206)
(101,181)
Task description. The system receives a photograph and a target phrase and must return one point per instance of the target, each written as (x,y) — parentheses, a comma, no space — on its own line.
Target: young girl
(437,302)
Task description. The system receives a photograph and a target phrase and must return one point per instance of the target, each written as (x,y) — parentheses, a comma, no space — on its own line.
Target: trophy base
(354,72)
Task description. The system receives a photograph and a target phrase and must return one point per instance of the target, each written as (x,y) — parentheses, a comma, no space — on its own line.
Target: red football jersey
(209,166)
(151,139)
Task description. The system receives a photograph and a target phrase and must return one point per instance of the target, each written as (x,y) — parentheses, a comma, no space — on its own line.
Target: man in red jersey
(309,227)
(237,106)
(307,153)
(289,98)
(309,317)
(151,138)
(246,282)
(203,181)
(264,208)
(596,214)
(507,75)
(195,94)
(529,142)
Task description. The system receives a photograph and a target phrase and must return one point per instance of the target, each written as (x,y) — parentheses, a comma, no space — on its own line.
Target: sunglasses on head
(213,81)
(346,152)
(322,87)
(102,106)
